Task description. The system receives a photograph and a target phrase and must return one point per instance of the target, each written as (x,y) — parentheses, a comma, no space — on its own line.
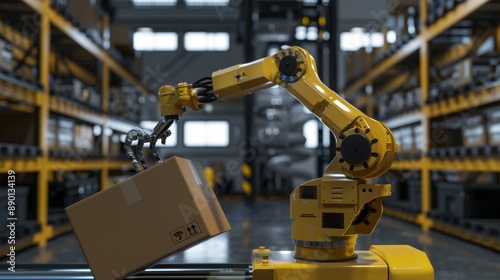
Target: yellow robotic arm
(329,212)
(365,147)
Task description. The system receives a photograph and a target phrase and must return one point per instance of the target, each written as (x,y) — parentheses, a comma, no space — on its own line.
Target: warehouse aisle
(267,224)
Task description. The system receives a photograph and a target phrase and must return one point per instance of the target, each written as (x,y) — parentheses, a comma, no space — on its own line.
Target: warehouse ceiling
(226,16)
(177,18)
(274,22)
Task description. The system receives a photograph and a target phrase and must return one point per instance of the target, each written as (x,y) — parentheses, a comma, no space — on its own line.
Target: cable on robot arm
(205,90)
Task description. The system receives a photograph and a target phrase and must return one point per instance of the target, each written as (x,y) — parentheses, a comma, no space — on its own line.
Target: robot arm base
(394,262)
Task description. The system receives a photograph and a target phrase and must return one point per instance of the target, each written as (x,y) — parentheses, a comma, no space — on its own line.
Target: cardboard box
(52,133)
(406,143)
(145,218)
(6,56)
(473,131)
(115,146)
(86,11)
(65,134)
(83,137)
(443,134)
(462,73)
(418,137)
(494,127)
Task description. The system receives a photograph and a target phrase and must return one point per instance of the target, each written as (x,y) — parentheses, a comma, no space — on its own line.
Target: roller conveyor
(238,271)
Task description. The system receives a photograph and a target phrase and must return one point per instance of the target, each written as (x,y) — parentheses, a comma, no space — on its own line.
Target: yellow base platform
(382,262)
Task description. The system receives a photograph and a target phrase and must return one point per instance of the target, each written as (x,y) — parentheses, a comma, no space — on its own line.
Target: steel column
(250,150)
(43,118)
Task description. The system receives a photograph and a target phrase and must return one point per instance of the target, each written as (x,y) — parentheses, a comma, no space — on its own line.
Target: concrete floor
(267,223)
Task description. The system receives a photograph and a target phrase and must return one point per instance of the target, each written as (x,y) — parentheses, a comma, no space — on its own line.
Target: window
(391,36)
(206,133)
(154,2)
(309,2)
(356,39)
(310,33)
(207,2)
(171,141)
(314,2)
(205,41)
(147,40)
(310,130)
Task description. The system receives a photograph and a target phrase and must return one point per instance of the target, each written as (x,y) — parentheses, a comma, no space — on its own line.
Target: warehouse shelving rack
(362,92)
(38,95)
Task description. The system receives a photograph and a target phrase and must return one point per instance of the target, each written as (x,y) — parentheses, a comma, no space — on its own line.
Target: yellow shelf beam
(456,231)
(472,164)
(399,56)
(395,83)
(56,231)
(425,173)
(51,232)
(382,67)
(20,43)
(460,12)
(407,164)
(467,101)
(454,53)
(43,123)
(11,92)
(401,215)
(463,102)
(79,112)
(33,164)
(483,240)
(119,165)
(361,101)
(411,117)
(74,164)
(75,111)
(21,244)
(20,164)
(20,94)
(460,51)
(64,64)
(68,66)
(74,33)
(426,34)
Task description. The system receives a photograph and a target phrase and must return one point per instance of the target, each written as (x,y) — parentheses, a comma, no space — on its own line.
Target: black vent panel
(333,220)
(308,192)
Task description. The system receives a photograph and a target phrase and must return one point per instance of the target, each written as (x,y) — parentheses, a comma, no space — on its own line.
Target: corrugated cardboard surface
(146,218)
